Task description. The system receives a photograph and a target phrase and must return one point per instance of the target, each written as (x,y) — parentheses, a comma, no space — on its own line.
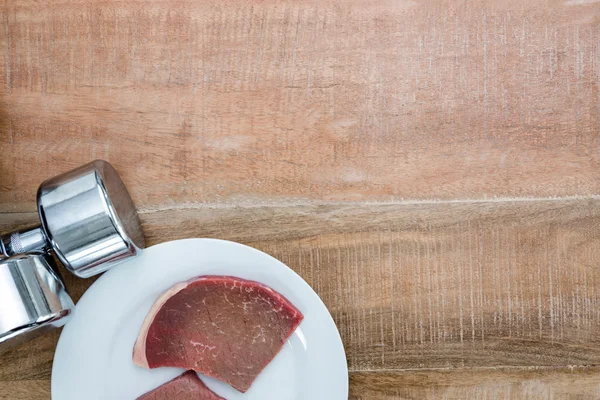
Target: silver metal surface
(33,299)
(89,219)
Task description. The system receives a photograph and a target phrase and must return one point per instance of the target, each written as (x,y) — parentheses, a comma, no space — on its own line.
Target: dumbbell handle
(23,241)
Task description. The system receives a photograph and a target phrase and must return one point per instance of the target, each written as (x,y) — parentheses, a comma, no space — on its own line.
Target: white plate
(93,357)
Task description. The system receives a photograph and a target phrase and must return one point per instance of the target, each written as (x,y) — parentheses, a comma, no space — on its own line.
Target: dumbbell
(89,222)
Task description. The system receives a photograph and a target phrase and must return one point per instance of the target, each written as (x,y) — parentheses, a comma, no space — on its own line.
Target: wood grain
(229,102)
(25,390)
(479,300)
(505,383)
(430,167)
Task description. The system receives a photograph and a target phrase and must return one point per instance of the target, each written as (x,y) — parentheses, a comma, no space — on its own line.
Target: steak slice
(221,326)
(186,386)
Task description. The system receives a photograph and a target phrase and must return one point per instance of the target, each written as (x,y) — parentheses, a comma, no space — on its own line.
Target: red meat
(221,326)
(185,387)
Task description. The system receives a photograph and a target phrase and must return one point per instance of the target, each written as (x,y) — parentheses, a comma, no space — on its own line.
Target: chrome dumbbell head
(88,219)
(33,299)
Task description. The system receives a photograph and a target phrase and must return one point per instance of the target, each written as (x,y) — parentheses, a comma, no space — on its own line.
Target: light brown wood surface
(429,167)
(202,101)
(495,299)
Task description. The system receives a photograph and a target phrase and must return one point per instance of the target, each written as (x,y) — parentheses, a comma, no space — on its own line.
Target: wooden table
(431,168)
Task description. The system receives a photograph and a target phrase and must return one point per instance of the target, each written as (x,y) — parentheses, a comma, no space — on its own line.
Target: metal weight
(33,299)
(87,218)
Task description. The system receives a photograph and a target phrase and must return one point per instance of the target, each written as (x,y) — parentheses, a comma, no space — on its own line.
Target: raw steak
(221,326)
(186,386)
